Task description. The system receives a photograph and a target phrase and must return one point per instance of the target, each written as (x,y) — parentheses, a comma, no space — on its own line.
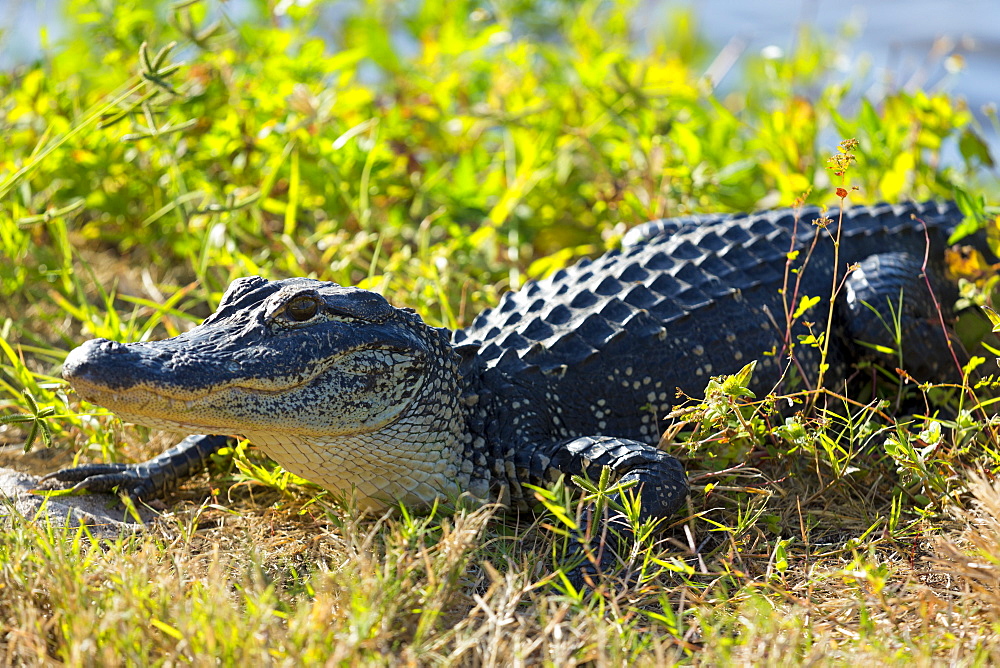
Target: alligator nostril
(108,346)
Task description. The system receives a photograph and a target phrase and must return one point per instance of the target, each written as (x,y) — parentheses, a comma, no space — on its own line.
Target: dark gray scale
(658,260)
(646,232)
(633,273)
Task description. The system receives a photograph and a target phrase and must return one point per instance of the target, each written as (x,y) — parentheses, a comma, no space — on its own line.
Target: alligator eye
(301,309)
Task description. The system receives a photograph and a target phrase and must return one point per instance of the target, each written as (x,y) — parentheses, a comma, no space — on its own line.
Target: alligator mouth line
(189,399)
(145,406)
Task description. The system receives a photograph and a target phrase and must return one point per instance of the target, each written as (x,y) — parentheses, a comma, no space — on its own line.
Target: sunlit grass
(508,143)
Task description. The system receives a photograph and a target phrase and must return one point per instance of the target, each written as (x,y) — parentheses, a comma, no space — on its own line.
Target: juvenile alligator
(570,374)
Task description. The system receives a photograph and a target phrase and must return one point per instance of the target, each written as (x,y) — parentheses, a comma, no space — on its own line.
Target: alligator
(568,375)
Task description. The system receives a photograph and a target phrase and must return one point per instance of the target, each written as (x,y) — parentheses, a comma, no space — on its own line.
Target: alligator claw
(598,556)
(78,474)
(588,574)
(105,478)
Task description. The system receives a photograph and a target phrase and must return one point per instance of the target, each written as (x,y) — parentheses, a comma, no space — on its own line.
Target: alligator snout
(91,362)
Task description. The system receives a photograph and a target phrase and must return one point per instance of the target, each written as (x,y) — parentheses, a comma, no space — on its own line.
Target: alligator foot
(106,479)
(103,517)
(147,479)
(599,561)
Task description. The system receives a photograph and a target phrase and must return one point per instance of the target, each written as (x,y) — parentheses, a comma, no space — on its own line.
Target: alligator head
(333,382)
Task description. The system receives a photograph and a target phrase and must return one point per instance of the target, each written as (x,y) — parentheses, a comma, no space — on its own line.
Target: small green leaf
(737,385)
(972,147)
(994,318)
(810,340)
(781,556)
(805,304)
(167,629)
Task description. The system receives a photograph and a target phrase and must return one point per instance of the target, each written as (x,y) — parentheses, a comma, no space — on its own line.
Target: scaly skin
(568,375)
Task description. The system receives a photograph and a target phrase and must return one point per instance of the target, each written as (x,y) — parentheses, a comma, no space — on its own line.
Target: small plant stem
(788,303)
(944,330)
(834,290)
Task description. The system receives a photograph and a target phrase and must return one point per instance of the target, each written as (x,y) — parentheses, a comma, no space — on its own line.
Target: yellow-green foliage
(441,152)
(457,140)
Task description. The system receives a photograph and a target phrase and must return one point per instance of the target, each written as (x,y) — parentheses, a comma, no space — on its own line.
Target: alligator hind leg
(146,479)
(661,484)
(889,306)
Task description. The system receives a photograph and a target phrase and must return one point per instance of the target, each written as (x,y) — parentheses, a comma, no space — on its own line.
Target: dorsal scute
(687,265)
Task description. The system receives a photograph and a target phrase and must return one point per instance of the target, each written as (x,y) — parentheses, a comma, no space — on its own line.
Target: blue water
(950,45)
(21,25)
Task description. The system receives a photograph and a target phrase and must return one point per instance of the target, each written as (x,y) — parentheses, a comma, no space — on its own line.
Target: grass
(491,145)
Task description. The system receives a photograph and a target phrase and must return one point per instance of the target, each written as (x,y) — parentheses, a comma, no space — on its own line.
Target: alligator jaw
(134,385)
(142,405)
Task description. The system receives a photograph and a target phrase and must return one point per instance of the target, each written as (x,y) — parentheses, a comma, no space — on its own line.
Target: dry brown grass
(277,580)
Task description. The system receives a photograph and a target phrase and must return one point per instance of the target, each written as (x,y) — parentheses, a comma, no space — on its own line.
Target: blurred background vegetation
(433,148)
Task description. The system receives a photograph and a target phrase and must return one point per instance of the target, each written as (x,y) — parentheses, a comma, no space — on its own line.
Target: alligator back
(702,296)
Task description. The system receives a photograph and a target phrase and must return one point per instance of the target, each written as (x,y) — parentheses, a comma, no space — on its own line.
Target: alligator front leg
(660,482)
(147,479)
